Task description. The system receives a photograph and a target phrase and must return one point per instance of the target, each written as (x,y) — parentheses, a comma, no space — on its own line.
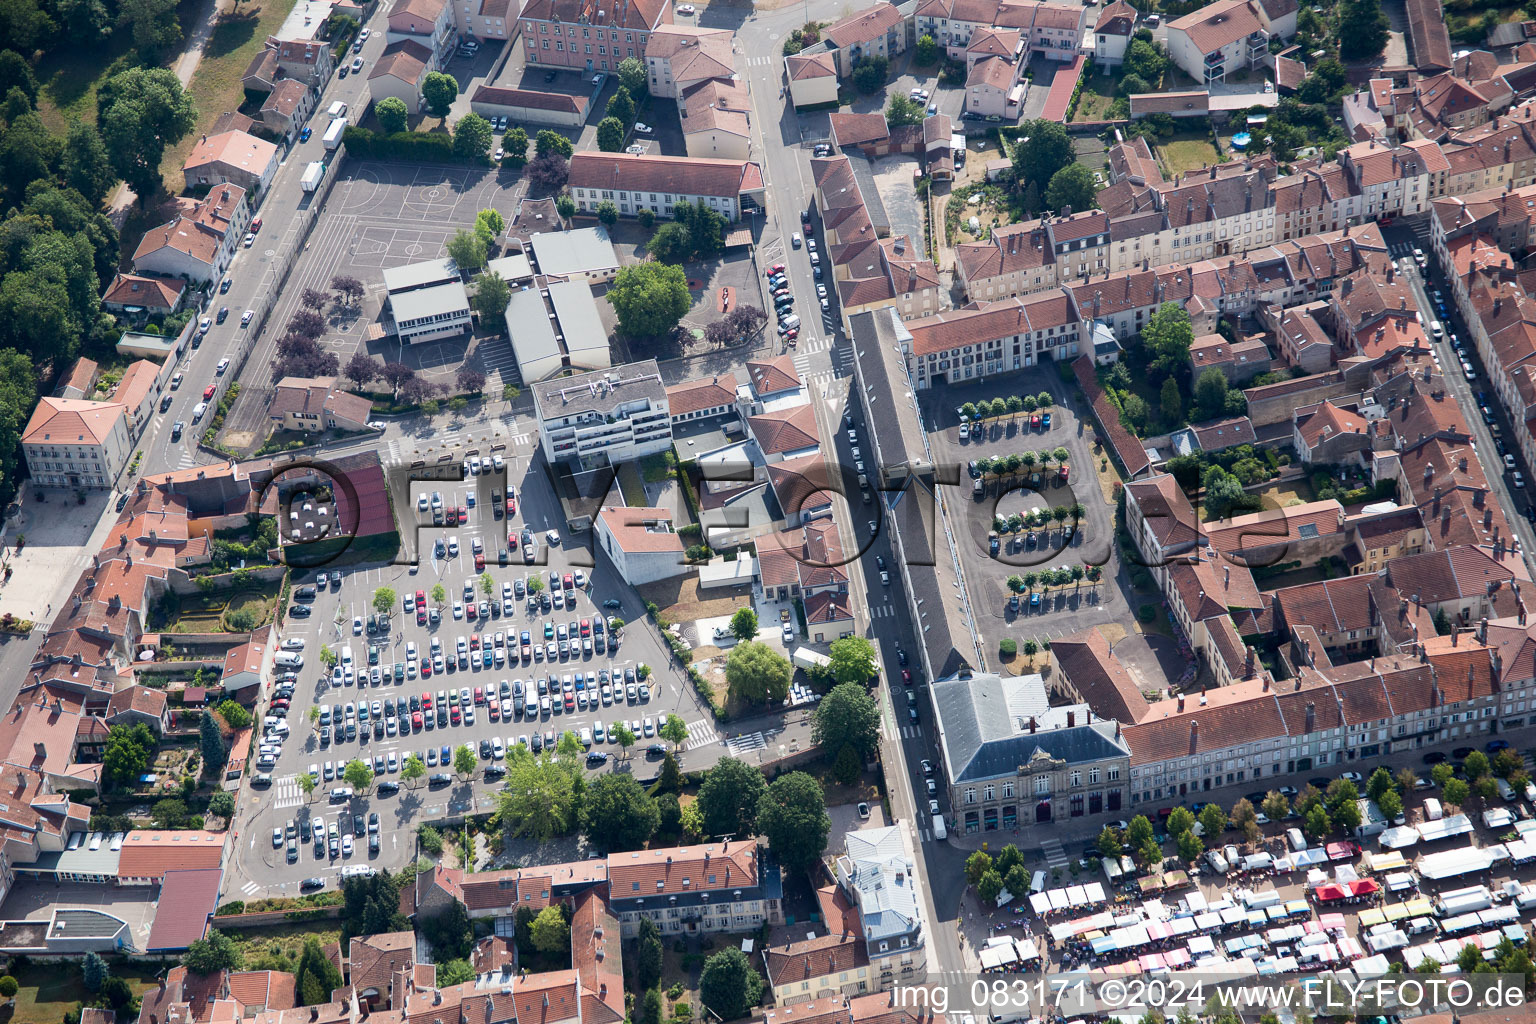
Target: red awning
(1341,851)
(1330,891)
(1364,887)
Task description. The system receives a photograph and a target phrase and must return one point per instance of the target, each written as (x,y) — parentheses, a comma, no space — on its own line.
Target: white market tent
(1450,863)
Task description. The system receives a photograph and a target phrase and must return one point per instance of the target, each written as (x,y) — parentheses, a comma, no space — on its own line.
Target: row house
(983,339)
(633,182)
(427,22)
(589,35)
(877,31)
(1052,31)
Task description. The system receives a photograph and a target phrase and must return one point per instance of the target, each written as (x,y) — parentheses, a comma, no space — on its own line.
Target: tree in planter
(610,135)
(413,769)
(439,90)
(392,113)
(358,775)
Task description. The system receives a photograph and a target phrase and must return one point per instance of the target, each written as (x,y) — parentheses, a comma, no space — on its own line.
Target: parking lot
(1061,610)
(339,618)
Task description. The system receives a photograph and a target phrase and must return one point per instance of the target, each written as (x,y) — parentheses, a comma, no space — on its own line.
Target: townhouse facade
(589,37)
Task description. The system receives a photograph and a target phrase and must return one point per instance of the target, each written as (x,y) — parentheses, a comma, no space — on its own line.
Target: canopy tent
(1445,828)
(1450,863)
(1398,838)
(1329,893)
(1373,917)
(1380,862)
(1201,945)
(1196,901)
(1341,851)
(1364,887)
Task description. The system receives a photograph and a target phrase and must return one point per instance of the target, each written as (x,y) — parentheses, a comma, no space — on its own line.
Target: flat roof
(576,310)
(419,275)
(574,252)
(141,342)
(602,391)
(306,20)
(515,267)
(82,860)
(534,336)
(429,301)
(82,923)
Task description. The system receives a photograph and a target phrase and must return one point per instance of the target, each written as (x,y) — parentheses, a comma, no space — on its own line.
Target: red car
(421,616)
(512,539)
(426,702)
(777,268)
(570,701)
(469,611)
(416,720)
(511,504)
(474,641)
(479,695)
(586,627)
(906,677)
(208,392)
(463,514)
(451,517)
(453,714)
(421,598)
(569,581)
(494,711)
(527,653)
(426,667)
(480,562)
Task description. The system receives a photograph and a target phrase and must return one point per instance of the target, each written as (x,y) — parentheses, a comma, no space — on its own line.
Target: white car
(363,35)
(500,152)
(293,643)
(245,318)
(346,846)
(357,625)
(250,239)
(685,8)
(453,546)
(789,633)
(552,536)
(458,610)
(223,365)
(641,128)
(357,65)
(203,325)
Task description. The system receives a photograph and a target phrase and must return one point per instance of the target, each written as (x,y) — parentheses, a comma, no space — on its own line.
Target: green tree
(316,976)
(649,956)
(464,760)
(988,888)
(1363,30)
(540,797)
(1475,766)
(1391,804)
(550,141)
(1455,792)
(847,718)
(222,803)
(472,137)
(1223,492)
(903,110)
(610,135)
(846,768)
(1190,847)
(729,798)
(392,113)
(1318,823)
(212,743)
(1180,821)
(1213,820)
(490,299)
(729,986)
(94,972)
(384,600)
(1110,841)
(793,815)
(618,814)
(1008,858)
(217,952)
(632,77)
(869,74)
(649,298)
(1167,337)
(1135,409)
(430,840)
(515,143)
(1323,82)
(853,660)
(977,865)
(1140,830)
(467,251)
(358,775)
(744,624)
(1210,394)
(671,243)
(551,931)
(1171,402)
(153,26)
(234,714)
(489,224)
(607,213)
(624,737)
(454,972)
(926,53)
(1044,148)
(413,768)
(756,672)
(16,73)
(1072,186)
(621,105)
(141,112)
(85,165)
(439,90)
(1144,61)
(674,730)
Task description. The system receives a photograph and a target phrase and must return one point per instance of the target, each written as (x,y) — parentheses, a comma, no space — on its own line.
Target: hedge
(417,146)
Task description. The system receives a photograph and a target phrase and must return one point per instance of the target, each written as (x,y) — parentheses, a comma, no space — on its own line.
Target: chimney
(1072,715)
(1031,725)
(1482,630)
(1311,724)
(1194,736)
(1181,703)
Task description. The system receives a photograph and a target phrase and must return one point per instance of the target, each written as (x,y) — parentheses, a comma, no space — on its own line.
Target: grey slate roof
(984,725)
(880,876)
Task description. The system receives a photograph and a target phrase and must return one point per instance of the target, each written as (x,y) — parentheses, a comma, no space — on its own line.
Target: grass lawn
(48,992)
(1292,492)
(1104,469)
(1093,102)
(281,940)
(236,39)
(1191,154)
(203,613)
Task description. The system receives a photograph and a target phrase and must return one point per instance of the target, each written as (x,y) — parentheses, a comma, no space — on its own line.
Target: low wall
(266,917)
(188,585)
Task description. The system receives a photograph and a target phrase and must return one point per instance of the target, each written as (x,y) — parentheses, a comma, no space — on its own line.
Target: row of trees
(1046,578)
(1013,405)
(1039,518)
(1025,461)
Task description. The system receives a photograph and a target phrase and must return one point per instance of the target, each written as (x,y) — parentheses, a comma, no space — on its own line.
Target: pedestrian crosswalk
(759,62)
(700,734)
(910,732)
(882,611)
(745,744)
(250,888)
(1055,853)
(286,792)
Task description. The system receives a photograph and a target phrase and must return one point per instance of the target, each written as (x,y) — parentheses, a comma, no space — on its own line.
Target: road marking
(700,734)
(746,744)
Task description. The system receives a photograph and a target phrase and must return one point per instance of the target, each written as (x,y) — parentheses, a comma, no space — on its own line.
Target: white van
(1437,328)
(1432,810)
(346,655)
(289,659)
(939,831)
(198,410)
(338,109)
(1297,840)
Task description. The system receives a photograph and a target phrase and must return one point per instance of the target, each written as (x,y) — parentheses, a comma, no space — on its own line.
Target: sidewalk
(61,537)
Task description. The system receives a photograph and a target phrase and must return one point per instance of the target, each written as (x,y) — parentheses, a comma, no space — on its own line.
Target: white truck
(334,132)
(313,175)
(939,831)
(808,659)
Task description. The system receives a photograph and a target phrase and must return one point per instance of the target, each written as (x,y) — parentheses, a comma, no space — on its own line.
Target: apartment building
(198,243)
(876,31)
(1229,36)
(877,876)
(428,22)
(604,418)
(642,544)
(992,337)
(589,35)
(660,183)
(1051,31)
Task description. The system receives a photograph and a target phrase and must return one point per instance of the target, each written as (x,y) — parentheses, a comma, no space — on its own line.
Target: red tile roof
(674,174)
(151,853)
(187,900)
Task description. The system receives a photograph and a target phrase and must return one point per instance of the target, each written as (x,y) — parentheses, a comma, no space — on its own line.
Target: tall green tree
(756,672)
(1043,149)
(729,986)
(632,74)
(467,251)
(141,112)
(490,300)
(649,298)
(316,976)
(1171,402)
(618,814)
(153,25)
(793,815)
(649,956)
(94,972)
(622,106)
(217,952)
(853,660)
(551,931)
(472,137)
(214,751)
(86,166)
(1167,337)
(540,797)
(551,141)
(515,142)
(1072,186)
(729,798)
(847,717)
(610,135)
(439,90)
(392,113)
(1363,29)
